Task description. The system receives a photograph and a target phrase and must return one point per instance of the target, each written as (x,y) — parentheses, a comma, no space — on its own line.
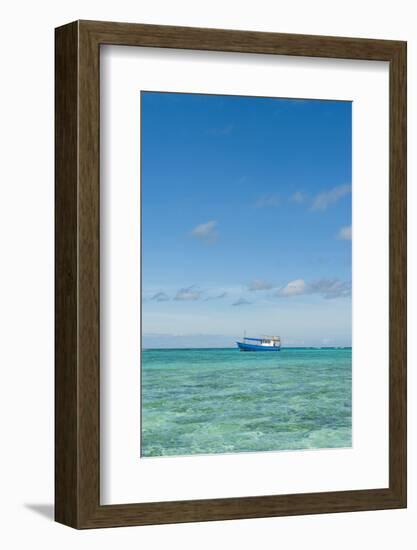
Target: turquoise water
(204,401)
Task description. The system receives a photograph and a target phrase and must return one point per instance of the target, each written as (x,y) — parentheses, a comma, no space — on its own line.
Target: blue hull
(253,347)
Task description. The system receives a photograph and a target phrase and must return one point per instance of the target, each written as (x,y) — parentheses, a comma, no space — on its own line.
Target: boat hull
(243,346)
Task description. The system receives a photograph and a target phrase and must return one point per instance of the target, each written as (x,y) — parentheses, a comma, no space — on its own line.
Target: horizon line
(145,348)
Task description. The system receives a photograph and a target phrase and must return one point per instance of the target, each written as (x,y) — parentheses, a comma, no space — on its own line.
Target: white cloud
(325,199)
(160,297)
(293,288)
(188,294)
(206,232)
(327,288)
(241,302)
(298,197)
(345,233)
(259,284)
(265,201)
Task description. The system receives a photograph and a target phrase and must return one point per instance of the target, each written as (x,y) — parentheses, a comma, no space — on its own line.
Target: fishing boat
(266,343)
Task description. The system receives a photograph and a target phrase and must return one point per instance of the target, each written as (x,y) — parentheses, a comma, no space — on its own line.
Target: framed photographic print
(230,274)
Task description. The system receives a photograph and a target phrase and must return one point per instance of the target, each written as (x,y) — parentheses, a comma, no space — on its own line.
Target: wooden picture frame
(77,374)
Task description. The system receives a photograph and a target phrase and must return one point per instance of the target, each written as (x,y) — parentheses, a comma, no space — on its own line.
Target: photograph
(207,236)
(246,274)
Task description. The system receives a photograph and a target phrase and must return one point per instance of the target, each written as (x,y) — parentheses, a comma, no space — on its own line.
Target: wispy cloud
(241,302)
(218,297)
(221,130)
(265,201)
(259,284)
(160,297)
(188,294)
(298,197)
(345,233)
(327,288)
(323,200)
(331,288)
(206,232)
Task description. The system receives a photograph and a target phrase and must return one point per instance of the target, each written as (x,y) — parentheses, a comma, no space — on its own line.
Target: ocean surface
(204,401)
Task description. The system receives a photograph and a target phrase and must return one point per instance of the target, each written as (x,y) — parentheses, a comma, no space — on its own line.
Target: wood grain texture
(66,236)
(398,273)
(78,285)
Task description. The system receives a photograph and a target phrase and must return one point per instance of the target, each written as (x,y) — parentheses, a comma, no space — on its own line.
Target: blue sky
(246,220)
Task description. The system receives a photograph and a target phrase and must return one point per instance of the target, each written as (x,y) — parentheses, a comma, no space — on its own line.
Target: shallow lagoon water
(204,401)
